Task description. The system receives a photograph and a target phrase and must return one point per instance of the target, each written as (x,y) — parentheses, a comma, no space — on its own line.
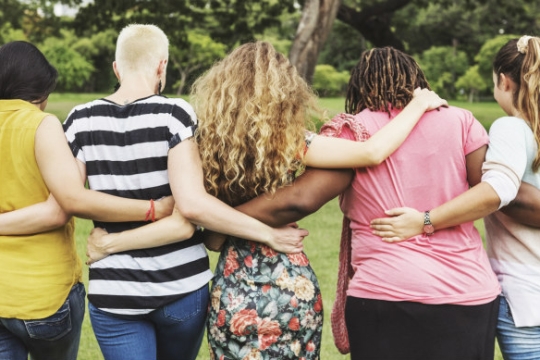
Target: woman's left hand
(402,224)
(95,246)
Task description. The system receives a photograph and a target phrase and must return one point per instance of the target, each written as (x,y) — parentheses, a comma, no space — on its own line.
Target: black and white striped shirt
(125,151)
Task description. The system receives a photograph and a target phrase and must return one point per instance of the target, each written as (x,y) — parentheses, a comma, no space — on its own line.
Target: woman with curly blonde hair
(253,110)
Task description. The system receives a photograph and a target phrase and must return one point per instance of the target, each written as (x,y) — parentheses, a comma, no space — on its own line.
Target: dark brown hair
(25,73)
(384,78)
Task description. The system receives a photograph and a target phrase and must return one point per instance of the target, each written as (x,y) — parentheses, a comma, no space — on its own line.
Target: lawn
(322,245)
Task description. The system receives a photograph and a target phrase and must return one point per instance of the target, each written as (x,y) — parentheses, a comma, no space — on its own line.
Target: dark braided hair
(384,78)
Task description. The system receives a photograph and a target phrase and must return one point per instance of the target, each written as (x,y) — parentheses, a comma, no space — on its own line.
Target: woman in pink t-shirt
(511,233)
(434,296)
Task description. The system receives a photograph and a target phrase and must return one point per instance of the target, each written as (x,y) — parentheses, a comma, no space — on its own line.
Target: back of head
(140,48)
(383,78)
(25,73)
(253,109)
(519,60)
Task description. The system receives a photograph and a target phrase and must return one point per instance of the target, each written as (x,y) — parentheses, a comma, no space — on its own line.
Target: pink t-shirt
(449,267)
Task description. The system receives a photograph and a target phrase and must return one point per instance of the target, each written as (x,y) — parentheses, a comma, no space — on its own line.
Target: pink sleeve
(476,135)
(345,126)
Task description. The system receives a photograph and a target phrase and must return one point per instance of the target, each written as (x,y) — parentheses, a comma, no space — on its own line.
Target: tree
(313,29)
(463,23)
(327,81)
(416,25)
(73,68)
(442,66)
(8,33)
(487,53)
(200,53)
(99,50)
(472,82)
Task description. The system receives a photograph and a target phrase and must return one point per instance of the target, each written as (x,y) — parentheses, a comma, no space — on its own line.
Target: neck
(133,88)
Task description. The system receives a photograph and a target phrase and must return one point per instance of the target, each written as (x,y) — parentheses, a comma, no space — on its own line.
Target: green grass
(322,245)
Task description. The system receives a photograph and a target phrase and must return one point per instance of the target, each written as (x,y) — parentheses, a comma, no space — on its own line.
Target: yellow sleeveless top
(36,271)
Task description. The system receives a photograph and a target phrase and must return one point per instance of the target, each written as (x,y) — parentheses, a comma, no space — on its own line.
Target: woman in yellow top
(42,298)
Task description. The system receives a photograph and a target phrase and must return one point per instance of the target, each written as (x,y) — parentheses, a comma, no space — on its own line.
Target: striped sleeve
(183,122)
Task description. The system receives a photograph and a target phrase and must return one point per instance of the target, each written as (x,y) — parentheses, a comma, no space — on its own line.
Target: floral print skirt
(264,305)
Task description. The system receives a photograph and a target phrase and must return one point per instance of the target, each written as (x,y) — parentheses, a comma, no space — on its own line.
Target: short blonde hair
(140,48)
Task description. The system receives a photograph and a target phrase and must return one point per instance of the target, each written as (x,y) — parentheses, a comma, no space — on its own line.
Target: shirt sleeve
(345,126)
(70,130)
(476,135)
(506,158)
(183,123)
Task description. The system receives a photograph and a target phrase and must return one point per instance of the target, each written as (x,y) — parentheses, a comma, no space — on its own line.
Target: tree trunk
(182,82)
(313,29)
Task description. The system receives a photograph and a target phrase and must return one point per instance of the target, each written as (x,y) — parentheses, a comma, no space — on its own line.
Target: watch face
(429,229)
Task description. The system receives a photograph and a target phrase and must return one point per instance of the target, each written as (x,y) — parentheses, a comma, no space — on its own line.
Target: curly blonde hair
(253,110)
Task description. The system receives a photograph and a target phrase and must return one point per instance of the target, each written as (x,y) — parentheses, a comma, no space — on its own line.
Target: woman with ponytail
(513,157)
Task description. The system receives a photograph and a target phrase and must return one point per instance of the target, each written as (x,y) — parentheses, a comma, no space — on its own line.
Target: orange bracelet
(151,213)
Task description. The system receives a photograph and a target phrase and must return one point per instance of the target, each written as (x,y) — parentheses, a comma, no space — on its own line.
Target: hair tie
(522,44)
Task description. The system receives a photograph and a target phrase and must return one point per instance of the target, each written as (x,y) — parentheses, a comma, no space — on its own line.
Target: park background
(454,41)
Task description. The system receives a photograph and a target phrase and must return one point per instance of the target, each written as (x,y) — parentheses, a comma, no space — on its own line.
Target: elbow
(375,157)
(59,219)
(188,231)
(191,212)
(305,206)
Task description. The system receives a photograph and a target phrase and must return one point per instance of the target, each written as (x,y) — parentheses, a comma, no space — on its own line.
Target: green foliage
(199,54)
(466,24)
(327,81)
(442,66)
(343,47)
(487,53)
(73,68)
(8,33)
(472,82)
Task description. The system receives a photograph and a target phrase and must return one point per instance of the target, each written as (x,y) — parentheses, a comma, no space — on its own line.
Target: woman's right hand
(429,99)
(164,207)
(96,245)
(401,224)
(288,239)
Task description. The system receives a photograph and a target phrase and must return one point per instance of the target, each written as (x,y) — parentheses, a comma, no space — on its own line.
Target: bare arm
(41,217)
(471,205)
(200,208)
(525,208)
(335,153)
(310,191)
(171,229)
(62,177)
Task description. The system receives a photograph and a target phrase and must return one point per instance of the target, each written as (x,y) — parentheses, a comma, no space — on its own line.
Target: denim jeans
(53,338)
(174,331)
(516,343)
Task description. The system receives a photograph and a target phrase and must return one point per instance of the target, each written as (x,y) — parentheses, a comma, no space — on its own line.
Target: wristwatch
(428,226)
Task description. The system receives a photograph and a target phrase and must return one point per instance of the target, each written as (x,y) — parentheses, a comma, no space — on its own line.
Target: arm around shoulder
(333,153)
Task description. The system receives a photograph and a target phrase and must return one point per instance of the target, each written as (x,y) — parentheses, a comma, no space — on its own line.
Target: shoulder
(82,110)
(343,124)
(454,113)
(509,123)
(180,108)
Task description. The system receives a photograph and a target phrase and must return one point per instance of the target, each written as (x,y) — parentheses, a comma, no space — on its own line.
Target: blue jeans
(53,338)
(516,343)
(174,331)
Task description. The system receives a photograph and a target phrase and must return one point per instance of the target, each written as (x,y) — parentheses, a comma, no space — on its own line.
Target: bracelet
(151,213)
